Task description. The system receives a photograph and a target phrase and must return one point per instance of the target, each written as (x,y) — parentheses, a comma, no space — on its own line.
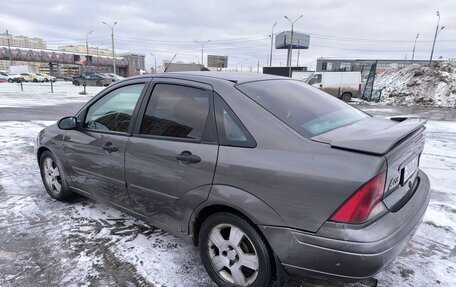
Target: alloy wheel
(233,255)
(52,175)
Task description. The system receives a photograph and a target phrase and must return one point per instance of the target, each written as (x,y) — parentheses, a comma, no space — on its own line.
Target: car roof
(235,77)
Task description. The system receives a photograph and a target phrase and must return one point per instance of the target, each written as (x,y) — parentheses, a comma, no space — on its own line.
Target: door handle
(109,148)
(187,157)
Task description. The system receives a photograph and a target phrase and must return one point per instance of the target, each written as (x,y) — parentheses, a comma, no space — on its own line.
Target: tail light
(364,204)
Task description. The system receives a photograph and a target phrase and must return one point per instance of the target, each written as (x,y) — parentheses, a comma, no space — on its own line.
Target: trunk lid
(372,135)
(399,139)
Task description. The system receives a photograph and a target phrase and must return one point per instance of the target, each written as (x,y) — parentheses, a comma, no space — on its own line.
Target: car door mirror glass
(68,123)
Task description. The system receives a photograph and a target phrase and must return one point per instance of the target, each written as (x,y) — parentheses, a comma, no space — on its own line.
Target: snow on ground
(44,242)
(49,243)
(39,94)
(430,258)
(419,85)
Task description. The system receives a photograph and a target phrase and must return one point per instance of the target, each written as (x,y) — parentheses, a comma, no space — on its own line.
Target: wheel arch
(224,198)
(40,151)
(213,206)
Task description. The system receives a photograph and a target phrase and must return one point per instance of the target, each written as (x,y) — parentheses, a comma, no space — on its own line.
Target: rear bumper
(343,251)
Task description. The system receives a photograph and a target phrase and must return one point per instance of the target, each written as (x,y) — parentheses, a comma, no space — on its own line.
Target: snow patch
(419,85)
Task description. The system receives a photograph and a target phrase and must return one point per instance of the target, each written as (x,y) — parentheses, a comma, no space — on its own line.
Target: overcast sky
(240,29)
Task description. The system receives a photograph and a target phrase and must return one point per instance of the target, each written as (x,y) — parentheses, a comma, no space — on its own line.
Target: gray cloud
(360,28)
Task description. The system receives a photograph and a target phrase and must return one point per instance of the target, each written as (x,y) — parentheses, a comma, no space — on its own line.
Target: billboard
(82,60)
(300,40)
(214,61)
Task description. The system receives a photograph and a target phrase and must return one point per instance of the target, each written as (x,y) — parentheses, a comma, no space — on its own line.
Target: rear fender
(242,201)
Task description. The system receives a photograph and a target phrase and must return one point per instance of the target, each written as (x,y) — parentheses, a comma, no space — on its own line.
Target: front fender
(52,138)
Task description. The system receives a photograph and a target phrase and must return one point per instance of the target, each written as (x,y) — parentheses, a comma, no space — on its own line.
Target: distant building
(176,67)
(136,64)
(282,71)
(22,42)
(361,65)
(82,49)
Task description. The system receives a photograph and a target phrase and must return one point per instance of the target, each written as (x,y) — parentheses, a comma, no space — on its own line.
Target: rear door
(170,159)
(96,150)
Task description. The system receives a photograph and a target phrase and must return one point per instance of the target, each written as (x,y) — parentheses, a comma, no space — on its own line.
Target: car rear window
(305,109)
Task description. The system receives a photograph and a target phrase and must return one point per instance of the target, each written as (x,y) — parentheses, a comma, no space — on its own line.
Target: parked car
(29,77)
(92,80)
(3,77)
(114,77)
(9,77)
(47,78)
(343,85)
(269,176)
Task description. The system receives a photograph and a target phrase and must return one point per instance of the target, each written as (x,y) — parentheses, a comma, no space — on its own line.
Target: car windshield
(307,110)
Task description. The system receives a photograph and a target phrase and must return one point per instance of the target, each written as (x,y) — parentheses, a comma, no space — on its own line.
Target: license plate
(410,169)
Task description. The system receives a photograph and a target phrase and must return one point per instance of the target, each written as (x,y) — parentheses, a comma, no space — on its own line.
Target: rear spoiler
(381,142)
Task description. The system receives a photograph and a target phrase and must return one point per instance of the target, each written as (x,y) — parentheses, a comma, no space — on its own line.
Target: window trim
(82,114)
(209,135)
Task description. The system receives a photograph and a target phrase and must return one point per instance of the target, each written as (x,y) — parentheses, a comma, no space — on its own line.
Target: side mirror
(68,123)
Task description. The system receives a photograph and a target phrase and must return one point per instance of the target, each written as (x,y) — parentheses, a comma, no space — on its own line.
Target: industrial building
(362,65)
(33,52)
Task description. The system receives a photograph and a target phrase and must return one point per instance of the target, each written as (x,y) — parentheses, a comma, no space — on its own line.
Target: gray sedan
(92,80)
(267,175)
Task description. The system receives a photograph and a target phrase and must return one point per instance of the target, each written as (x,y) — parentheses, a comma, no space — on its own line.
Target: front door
(170,159)
(96,150)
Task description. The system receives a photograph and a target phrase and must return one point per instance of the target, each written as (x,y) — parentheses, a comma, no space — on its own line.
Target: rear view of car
(361,194)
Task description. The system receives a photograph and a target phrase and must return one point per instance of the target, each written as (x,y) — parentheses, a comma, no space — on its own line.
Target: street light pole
(113,51)
(87,59)
(202,43)
(242,63)
(299,53)
(435,36)
(155,62)
(290,50)
(87,46)
(272,42)
(414,45)
(9,48)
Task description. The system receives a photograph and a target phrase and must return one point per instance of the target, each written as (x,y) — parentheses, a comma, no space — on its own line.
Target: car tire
(76,83)
(238,241)
(98,83)
(53,177)
(346,97)
(10,80)
(35,80)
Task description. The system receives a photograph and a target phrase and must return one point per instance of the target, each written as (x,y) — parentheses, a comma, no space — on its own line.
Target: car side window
(113,112)
(176,111)
(231,131)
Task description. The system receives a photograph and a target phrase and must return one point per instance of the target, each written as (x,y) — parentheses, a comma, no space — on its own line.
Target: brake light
(364,204)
